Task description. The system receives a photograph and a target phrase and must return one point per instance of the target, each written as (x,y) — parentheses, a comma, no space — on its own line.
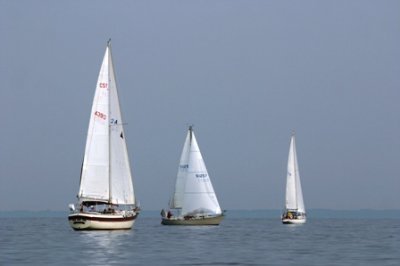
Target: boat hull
(293,221)
(215,220)
(97,221)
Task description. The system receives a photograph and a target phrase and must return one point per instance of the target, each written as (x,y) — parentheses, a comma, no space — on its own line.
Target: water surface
(237,241)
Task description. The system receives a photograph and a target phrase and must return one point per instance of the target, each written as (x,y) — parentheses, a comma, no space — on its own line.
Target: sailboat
(194,201)
(106,197)
(294,212)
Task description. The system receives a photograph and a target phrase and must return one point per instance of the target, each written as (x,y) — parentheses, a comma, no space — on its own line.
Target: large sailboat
(194,201)
(294,212)
(106,197)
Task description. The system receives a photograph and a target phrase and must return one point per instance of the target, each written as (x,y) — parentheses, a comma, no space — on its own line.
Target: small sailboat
(194,201)
(106,197)
(294,212)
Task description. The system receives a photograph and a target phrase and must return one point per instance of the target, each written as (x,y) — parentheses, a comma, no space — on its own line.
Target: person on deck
(169,214)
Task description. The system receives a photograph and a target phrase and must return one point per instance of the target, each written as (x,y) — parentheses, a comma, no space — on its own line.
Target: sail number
(100,115)
(103,85)
(201,175)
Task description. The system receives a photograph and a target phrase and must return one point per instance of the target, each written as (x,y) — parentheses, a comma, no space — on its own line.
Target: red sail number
(103,85)
(100,115)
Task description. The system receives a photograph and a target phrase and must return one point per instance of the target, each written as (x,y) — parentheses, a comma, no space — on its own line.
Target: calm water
(237,241)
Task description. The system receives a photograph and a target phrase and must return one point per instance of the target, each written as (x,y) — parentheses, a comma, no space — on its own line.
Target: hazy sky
(245,73)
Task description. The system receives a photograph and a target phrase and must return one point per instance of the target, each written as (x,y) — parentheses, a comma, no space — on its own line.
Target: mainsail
(106,174)
(177,198)
(194,192)
(294,194)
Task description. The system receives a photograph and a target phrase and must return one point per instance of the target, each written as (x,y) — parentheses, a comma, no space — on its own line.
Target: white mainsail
(294,194)
(177,198)
(106,174)
(194,192)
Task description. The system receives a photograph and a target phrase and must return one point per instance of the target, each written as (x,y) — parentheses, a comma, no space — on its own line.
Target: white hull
(293,221)
(214,220)
(99,221)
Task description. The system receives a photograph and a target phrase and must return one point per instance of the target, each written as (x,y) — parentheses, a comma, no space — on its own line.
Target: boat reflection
(104,247)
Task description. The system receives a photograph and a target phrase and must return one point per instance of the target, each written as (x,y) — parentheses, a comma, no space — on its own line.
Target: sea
(243,238)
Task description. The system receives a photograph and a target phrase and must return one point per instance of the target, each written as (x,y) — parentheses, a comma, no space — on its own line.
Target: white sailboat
(106,197)
(294,212)
(194,201)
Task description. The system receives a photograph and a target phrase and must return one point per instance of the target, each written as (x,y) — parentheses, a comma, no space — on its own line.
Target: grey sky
(245,73)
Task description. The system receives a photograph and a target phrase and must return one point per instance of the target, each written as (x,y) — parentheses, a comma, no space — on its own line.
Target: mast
(191,133)
(109,126)
(293,151)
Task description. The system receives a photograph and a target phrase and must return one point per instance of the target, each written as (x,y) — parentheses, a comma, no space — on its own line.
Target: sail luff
(109,127)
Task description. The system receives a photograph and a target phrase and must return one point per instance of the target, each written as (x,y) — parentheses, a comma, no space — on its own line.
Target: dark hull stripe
(203,221)
(101,229)
(101,219)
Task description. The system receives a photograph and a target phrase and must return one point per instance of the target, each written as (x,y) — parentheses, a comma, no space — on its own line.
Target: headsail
(120,172)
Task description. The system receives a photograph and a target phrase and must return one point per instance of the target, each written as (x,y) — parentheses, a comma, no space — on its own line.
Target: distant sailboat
(194,201)
(106,197)
(294,212)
